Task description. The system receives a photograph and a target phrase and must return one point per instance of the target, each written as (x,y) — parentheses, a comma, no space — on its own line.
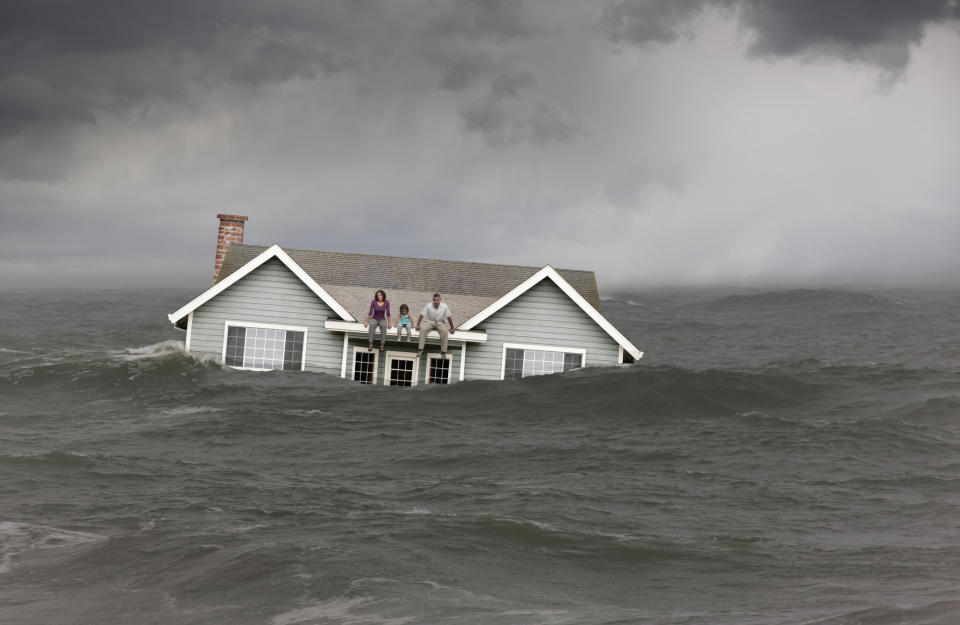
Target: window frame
(390,355)
(376,364)
(262,326)
(541,348)
(426,371)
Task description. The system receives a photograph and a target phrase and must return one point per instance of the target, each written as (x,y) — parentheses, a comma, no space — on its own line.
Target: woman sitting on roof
(380,313)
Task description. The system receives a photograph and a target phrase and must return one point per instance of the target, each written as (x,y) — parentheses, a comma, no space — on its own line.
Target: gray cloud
(874,32)
(26,100)
(484,19)
(507,131)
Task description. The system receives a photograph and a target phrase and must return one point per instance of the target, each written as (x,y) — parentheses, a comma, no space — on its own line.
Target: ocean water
(777,457)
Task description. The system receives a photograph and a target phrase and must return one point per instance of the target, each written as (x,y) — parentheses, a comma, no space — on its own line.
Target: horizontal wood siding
(411,348)
(270,294)
(544,315)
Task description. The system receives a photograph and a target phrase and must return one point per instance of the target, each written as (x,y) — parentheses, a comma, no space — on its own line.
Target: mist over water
(776,457)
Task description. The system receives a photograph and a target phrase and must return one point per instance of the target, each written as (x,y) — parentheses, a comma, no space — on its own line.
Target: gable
(550,274)
(273,252)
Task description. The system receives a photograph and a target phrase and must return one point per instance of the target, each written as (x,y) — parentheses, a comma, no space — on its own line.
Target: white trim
(426,371)
(540,348)
(356,327)
(412,356)
(223,351)
(548,348)
(620,356)
(463,359)
(551,273)
(186,343)
(376,362)
(266,326)
(262,326)
(343,362)
(274,251)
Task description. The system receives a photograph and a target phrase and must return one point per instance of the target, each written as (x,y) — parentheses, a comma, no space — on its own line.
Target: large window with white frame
(365,365)
(401,369)
(264,346)
(522,361)
(438,369)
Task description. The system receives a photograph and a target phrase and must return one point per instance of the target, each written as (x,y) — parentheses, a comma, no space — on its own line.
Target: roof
(344,282)
(459,282)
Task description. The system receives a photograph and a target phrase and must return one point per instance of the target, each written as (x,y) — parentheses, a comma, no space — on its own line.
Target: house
(277,308)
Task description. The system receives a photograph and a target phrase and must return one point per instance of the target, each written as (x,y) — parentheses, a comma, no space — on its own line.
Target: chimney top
(231,233)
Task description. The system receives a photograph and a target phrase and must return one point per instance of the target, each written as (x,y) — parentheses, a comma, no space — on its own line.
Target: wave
(938,613)
(156,350)
(18,539)
(811,299)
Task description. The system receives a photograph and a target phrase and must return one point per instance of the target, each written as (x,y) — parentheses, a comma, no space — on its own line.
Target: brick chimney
(231,232)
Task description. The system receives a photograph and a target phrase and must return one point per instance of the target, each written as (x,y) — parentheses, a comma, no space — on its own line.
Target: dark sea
(785,456)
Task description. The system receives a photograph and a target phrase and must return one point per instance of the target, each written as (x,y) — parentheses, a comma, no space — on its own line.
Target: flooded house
(272,307)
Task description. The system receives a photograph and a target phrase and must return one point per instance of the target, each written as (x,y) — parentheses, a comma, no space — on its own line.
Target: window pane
(264,348)
(513,367)
(235,341)
(401,372)
(293,351)
(542,362)
(363,367)
(438,371)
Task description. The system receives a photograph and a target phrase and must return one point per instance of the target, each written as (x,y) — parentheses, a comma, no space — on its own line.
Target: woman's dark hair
(404,308)
(380,291)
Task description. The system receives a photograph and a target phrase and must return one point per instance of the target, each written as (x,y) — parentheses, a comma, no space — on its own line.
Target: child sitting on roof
(403,321)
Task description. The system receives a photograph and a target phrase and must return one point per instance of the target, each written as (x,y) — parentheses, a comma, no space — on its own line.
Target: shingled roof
(482,282)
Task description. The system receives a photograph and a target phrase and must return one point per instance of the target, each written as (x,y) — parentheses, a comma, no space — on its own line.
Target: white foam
(188,410)
(19,538)
(339,610)
(156,350)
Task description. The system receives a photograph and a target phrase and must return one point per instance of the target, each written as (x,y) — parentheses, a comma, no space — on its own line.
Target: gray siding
(544,315)
(432,347)
(270,294)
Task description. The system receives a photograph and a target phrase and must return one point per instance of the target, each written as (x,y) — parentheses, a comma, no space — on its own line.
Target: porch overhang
(355,327)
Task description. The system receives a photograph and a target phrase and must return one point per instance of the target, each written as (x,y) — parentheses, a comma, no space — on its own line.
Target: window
(438,370)
(364,365)
(401,369)
(521,361)
(264,347)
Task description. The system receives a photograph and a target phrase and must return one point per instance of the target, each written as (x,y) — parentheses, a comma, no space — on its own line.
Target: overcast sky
(657,142)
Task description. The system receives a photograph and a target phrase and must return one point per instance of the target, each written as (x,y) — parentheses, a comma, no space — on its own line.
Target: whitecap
(189,410)
(163,348)
(19,538)
(339,610)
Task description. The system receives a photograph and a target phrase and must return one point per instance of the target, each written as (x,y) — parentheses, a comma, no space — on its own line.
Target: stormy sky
(657,142)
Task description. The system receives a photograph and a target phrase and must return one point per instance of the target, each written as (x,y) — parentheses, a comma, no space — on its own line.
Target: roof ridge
(387,256)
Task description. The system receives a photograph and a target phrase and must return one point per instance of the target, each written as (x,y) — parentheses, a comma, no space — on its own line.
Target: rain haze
(657,142)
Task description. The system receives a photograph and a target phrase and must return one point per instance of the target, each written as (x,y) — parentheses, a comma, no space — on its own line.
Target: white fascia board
(551,273)
(355,327)
(274,251)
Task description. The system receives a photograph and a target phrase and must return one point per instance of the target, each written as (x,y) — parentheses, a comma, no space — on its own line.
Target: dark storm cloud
(876,32)
(26,100)
(504,107)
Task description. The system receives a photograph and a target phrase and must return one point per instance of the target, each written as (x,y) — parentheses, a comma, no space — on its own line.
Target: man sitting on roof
(436,314)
